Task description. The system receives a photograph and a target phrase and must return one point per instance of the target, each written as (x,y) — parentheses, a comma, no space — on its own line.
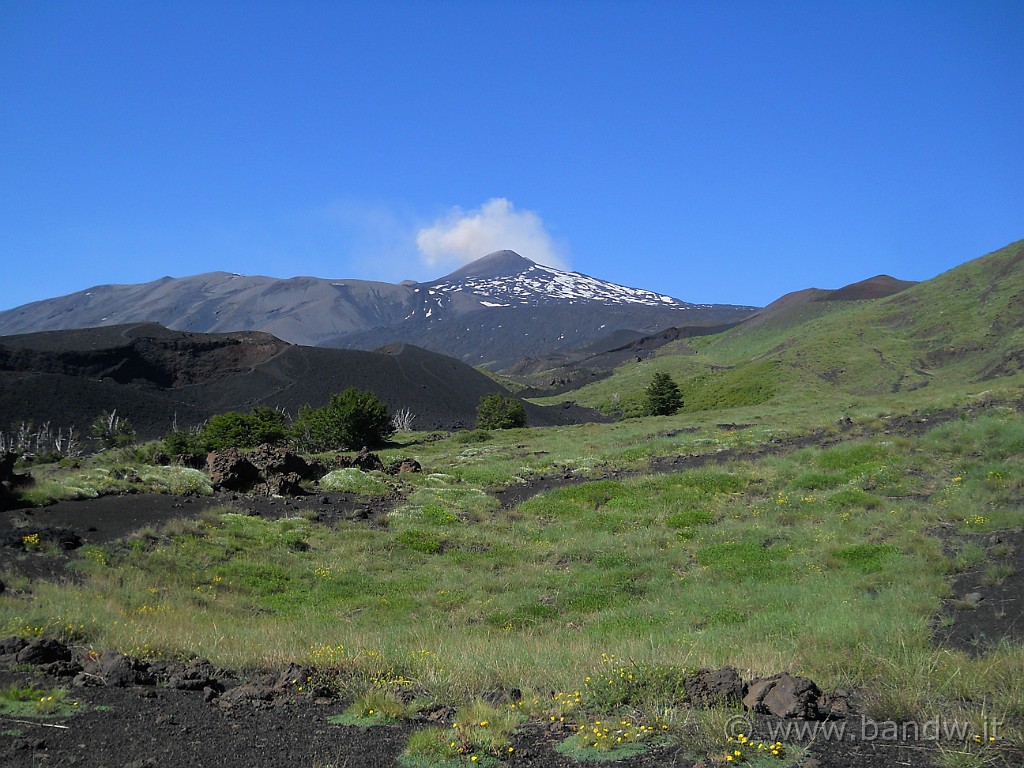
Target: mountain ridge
(483,312)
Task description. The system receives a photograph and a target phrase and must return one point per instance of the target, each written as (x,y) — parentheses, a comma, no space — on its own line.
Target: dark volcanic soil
(987,603)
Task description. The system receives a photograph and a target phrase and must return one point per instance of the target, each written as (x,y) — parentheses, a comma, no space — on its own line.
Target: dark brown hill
(792,304)
(157,378)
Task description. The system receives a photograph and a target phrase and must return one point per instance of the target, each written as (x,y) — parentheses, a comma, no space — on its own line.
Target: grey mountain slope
(496,310)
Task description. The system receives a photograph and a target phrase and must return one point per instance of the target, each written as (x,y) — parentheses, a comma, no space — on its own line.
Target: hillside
(963,329)
(495,311)
(156,377)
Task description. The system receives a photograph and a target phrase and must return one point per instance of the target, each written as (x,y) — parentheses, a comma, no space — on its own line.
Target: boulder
(8,477)
(43,650)
(9,646)
(785,696)
(119,671)
(364,460)
(231,470)
(404,465)
(715,687)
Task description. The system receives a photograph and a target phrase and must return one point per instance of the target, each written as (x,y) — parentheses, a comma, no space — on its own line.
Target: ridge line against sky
(715,152)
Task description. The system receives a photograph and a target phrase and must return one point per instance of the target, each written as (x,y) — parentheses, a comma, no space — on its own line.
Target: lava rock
(784,696)
(43,650)
(230,470)
(711,687)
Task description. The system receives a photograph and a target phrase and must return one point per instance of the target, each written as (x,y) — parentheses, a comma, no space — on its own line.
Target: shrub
(112,431)
(663,396)
(500,411)
(353,419)
(242,430)
(181,443)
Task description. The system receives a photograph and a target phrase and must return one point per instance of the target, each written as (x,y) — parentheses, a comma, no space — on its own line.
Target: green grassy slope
(960,331)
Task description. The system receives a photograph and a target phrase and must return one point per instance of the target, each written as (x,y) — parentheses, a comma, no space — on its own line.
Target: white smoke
(464,236)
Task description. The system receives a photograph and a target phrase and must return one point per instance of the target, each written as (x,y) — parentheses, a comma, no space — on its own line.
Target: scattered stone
(711,687)
(973,598)
(784,696)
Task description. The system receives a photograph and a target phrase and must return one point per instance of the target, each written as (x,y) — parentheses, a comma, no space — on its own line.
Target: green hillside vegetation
(961,331)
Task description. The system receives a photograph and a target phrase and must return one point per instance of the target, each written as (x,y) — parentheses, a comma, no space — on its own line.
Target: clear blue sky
(717,151)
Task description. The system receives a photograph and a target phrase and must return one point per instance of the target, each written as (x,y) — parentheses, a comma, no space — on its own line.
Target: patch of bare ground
(986,606)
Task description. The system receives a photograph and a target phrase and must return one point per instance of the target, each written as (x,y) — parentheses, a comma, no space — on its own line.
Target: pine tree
(663,396)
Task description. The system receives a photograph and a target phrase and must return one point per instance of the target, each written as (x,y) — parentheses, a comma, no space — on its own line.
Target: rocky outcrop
(267,471)
(270,460)
(231,470)
(11,480)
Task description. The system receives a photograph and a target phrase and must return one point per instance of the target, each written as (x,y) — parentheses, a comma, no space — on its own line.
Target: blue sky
(714,151)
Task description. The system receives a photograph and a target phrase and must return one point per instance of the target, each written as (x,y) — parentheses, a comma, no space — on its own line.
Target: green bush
(473,436)
(353,419)
(662,396)
(242,430)
(500,411)
(181,443)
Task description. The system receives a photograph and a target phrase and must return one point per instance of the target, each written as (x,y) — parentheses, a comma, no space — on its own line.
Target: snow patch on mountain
(538,284)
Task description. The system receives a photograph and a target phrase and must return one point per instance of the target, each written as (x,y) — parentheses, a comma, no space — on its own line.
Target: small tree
(663,396)
(498,411)
(353,419)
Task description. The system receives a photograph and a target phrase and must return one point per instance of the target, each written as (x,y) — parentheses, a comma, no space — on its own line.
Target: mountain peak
(497,264)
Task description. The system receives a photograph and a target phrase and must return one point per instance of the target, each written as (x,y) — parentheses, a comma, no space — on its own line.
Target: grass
(27,701)
(110,472)
(356,481)
(737,564)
